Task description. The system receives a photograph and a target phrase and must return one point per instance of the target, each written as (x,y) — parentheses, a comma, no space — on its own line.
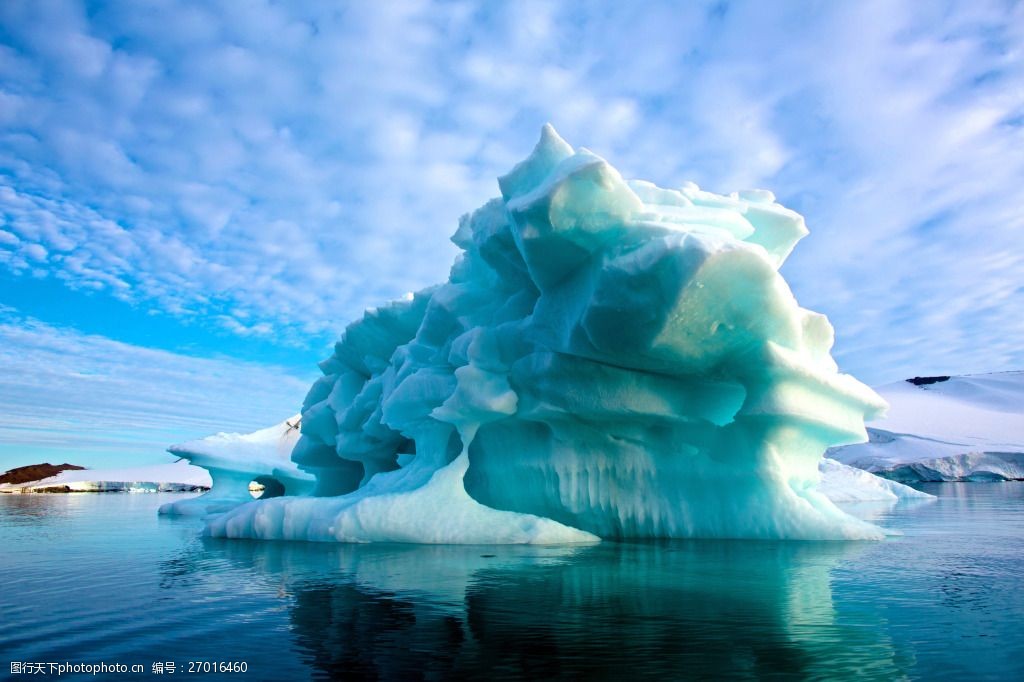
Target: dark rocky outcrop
(35,472)
(924,381)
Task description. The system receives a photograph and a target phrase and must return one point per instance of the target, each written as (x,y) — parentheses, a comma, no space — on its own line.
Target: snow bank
(175,477)
(967,428)
(235,460)
(607,359)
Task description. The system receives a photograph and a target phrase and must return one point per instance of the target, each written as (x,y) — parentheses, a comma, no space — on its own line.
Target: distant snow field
(962,428)
(175,477)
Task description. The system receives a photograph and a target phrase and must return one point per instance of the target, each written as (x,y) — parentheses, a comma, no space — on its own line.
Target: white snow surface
(153,478)
(967,428)
(263,451)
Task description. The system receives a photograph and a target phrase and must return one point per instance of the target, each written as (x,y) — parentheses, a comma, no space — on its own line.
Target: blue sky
(196,197)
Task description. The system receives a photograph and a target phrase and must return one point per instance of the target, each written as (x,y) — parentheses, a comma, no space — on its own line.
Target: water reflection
(102,577)
(673,609)
(35,509)
(878,511)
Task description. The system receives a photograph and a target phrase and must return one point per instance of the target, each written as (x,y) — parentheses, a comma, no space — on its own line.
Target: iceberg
(947,428)
(234,461)
(607,359)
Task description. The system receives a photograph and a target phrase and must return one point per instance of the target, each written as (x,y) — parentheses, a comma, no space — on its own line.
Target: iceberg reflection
(691,608)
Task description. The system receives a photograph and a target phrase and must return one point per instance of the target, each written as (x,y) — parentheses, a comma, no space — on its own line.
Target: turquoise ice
(607,359)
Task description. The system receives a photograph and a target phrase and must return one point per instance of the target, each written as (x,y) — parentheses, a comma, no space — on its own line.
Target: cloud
(91,400)
(296,164)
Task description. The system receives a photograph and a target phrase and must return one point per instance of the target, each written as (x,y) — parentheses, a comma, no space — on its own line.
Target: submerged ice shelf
(607,359)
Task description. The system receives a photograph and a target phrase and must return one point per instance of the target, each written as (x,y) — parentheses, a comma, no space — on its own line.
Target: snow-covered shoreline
(946,429)
(174,477)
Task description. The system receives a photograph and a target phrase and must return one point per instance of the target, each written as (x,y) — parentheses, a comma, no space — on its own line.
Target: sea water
(100,578)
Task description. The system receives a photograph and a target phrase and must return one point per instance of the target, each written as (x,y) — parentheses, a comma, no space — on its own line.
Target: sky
(196,197)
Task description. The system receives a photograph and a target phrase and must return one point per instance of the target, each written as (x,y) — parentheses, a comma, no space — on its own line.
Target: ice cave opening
(265,487)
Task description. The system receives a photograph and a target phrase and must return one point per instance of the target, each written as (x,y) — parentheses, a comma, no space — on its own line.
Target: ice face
(607,359)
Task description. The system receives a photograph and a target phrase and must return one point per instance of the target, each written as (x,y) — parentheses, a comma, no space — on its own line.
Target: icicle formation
(607,359)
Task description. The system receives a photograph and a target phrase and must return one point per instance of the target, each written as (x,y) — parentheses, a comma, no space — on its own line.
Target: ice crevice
(607,359)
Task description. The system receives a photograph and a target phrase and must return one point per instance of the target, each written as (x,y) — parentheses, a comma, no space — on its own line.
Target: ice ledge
(233,461)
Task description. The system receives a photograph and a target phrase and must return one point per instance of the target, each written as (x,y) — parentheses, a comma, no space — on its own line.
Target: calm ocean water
(90,579)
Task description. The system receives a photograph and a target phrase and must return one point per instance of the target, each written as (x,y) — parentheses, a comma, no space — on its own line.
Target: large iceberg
(608,359)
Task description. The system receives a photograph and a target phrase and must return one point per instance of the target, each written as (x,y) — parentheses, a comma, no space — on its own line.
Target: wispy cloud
(91,400)
(274,169)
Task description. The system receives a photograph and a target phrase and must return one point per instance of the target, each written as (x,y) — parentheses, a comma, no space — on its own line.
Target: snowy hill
(964,428)
(175,477)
